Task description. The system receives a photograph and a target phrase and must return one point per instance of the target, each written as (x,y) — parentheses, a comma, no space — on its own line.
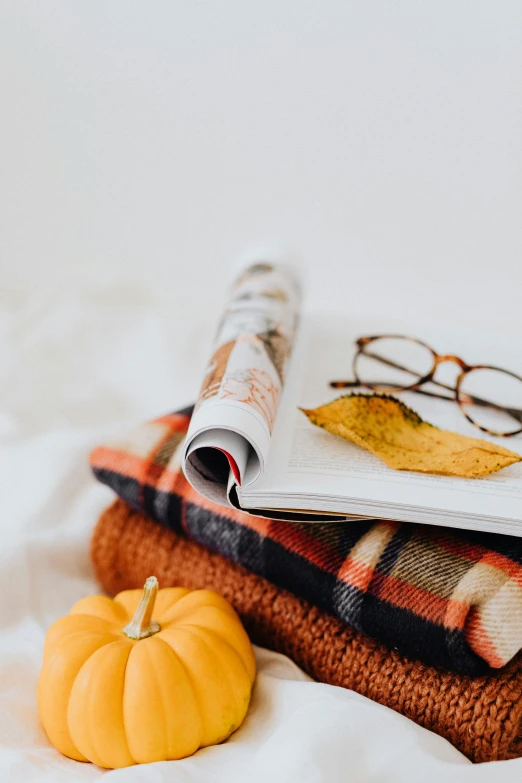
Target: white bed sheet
(77,367)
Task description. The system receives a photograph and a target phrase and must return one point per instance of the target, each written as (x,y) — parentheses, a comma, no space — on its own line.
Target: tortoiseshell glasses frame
(458,395)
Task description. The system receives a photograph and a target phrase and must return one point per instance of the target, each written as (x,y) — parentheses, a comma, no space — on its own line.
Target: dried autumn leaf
(397,435)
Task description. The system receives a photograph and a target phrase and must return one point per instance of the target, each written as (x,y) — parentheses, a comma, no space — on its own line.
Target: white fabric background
(77,368)
(160,141)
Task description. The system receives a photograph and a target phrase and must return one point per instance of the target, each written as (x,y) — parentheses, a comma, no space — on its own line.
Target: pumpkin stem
(142,624)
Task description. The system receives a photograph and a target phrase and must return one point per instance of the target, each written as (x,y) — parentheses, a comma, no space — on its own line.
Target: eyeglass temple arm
(516,413)
(356,384)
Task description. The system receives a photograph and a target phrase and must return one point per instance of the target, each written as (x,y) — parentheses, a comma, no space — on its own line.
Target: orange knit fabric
(482,716)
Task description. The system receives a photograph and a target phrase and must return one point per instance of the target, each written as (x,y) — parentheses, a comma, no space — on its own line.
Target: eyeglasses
(489,397)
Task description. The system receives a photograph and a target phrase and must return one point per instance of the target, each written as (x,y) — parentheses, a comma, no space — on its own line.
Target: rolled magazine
(230,433)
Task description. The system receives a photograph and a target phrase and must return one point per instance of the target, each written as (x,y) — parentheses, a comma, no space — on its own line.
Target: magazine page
(310,468)
(232,424)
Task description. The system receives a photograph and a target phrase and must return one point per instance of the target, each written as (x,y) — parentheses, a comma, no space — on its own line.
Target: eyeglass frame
(466,368)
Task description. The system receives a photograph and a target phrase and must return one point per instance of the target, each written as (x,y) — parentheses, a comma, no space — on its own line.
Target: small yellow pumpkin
(119,686)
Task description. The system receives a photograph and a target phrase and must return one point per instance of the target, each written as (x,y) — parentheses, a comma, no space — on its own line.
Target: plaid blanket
(449,598)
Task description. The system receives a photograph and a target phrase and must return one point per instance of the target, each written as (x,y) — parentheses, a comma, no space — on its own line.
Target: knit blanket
(448,598)
(480,716)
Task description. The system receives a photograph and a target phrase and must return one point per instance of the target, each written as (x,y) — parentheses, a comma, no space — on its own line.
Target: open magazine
(249,445)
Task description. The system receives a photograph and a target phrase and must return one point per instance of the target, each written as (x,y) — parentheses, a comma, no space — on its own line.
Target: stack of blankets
(425,620)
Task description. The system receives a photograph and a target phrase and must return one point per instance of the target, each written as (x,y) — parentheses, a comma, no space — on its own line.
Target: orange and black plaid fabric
(449,598)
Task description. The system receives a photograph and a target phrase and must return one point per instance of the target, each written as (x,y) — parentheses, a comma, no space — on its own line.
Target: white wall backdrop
(160,142)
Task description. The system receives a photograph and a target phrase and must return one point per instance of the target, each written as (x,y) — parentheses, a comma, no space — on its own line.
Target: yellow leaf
(397,435)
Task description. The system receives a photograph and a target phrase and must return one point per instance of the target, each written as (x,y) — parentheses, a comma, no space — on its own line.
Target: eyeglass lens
(392,363)
(501,390)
